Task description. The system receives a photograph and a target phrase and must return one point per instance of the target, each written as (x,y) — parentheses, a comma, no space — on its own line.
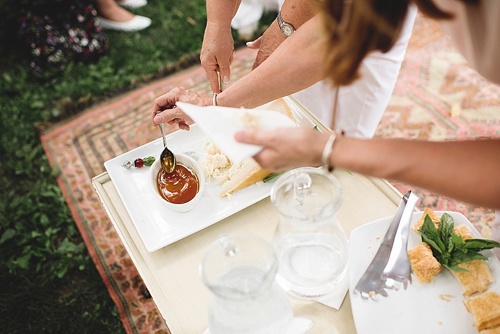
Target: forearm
(298,12)
(221,11)
(296,64)
(466,170)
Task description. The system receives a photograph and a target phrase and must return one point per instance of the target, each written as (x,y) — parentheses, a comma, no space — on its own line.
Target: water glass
(310,243)
(240,271)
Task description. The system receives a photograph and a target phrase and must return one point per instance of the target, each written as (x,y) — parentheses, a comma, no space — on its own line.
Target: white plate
(159,226)
(422,308)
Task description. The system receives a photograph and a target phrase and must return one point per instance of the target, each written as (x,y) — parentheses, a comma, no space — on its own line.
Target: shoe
(136,24)
(132,3)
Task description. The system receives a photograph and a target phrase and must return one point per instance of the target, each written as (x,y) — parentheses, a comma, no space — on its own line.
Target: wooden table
(172,273)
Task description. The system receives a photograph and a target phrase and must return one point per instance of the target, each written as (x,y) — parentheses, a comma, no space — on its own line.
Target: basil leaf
(449,248)
(480,244)
(431,240)
(272,176)
(457,240)
(430,231)
(463,257)
(446,226)
(455,268)
(148,161)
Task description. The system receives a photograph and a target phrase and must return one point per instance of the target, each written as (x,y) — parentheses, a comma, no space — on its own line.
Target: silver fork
(390,267)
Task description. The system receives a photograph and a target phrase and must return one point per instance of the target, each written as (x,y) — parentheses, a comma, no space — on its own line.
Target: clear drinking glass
(310,243)
(240,272)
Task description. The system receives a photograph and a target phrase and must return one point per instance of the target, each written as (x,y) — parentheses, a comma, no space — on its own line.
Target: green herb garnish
(449,248)
(148,161)
(272,176)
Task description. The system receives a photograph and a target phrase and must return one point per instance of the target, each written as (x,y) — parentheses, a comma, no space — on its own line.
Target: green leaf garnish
(148,161)
(272,176)
(449,248)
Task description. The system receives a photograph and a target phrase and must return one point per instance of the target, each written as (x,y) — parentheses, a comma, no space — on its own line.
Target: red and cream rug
(437,97)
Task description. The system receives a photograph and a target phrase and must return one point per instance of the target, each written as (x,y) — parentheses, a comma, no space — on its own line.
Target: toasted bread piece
(423,264)
(476,279)
(463,231)
(434,217)
(494,330)
(485,309)
(243,175)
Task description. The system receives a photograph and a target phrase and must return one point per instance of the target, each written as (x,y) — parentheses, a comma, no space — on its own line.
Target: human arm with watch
(293,14)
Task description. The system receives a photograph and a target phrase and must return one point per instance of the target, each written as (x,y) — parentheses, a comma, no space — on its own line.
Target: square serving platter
(159,226)
(435,307)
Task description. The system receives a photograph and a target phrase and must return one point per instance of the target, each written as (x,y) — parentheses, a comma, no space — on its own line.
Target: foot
(115,14)
(132,3)
(137,23)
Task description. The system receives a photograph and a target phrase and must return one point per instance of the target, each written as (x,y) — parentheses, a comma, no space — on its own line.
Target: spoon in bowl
(167,158)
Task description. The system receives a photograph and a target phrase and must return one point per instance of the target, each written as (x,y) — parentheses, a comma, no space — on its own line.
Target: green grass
(48,281)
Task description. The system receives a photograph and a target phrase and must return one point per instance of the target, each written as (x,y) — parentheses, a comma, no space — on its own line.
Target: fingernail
(238,136)
(226,79)
(249,43)
(158,119)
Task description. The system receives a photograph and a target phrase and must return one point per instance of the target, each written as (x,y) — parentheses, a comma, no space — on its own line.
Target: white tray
(159,226)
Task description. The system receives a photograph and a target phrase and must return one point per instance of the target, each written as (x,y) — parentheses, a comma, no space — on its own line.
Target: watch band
(286,28)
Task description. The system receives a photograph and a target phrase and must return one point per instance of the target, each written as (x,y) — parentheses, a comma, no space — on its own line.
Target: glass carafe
(310,243)
(240,272)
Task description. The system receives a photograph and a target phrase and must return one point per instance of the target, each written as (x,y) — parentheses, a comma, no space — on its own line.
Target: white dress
(362,104)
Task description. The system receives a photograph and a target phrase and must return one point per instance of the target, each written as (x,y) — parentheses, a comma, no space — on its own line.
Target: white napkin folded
(335,298)
(221,123)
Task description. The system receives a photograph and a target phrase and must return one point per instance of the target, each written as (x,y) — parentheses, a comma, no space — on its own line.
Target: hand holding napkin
(221,123)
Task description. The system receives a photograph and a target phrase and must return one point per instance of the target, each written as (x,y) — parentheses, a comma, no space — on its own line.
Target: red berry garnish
(139,163)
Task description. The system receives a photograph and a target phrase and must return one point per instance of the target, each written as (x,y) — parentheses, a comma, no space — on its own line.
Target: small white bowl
(188,162)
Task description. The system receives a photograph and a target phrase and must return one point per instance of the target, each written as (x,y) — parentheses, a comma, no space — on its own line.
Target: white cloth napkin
(335,298)
(221,123)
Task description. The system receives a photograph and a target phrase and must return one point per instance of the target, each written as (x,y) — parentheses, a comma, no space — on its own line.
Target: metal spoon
(167,158)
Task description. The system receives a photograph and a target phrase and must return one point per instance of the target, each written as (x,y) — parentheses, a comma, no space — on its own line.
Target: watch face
(287,30)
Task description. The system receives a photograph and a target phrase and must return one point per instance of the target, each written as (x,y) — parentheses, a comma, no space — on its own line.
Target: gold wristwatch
(286,28)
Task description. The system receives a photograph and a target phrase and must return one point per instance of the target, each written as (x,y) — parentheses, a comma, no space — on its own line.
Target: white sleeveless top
(361,104)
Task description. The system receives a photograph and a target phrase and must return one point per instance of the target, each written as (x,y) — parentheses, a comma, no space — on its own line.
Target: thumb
(255,44)
(249,137)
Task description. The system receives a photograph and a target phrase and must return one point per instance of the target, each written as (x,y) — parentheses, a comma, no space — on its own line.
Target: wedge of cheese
(485,309)
(248,172)
(242,175)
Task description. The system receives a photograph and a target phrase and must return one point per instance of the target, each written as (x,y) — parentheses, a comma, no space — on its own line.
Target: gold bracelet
(214,99)
(327,152)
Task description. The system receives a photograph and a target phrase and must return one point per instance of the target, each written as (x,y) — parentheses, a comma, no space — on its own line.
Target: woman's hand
(285,148)
(164,110)
(267,43)
(217,54)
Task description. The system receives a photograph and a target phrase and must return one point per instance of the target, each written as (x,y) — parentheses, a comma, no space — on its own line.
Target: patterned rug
(437,97)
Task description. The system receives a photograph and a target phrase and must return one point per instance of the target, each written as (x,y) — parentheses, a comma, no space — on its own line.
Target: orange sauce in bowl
(178,187)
